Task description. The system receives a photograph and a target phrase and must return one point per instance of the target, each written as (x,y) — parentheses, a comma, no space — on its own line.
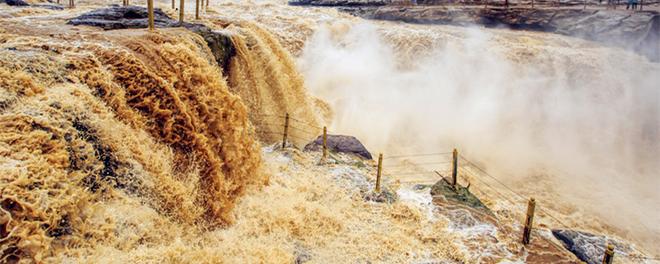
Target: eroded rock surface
(638,31)
(340,143)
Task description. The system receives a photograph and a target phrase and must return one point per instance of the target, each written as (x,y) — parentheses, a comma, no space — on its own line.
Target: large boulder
(447,195)
(588,247)
(124,17)
(340,143)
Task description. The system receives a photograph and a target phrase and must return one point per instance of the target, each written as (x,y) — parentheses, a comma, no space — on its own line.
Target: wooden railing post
(173,4)
(181,14)
(325,142)
(529,219)
(150,10)
(286,130)
(196,9)
(609,254)
(454,169)
(378,173)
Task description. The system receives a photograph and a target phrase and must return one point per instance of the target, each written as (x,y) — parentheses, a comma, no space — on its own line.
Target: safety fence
(428,168)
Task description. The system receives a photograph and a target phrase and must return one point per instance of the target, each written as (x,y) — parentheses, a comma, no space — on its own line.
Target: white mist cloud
(519,103)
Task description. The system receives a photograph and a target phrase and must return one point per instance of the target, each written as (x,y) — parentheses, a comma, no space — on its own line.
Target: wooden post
(609,254)
(202,5)
(528,221)
(150,9)
(207,3)
(454,169)
(173,4)
(378,173)
(286,129)
(196,9)
(181,5)
(325,142)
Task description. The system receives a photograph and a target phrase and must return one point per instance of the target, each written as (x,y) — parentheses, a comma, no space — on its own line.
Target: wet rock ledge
(124,17)
(638,31)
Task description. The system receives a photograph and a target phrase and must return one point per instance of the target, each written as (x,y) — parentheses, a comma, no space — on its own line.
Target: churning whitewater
(123,145)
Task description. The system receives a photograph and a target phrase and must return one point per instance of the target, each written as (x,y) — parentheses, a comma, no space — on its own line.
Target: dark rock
(588,247)
(340,143)
(16,3)
(458,195)
(385,196)
(49,6)
(124,17)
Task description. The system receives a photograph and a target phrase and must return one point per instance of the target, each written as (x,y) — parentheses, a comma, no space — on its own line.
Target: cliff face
(637,31)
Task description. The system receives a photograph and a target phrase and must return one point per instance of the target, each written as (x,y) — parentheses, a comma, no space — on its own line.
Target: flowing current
(573,123)
(98,165)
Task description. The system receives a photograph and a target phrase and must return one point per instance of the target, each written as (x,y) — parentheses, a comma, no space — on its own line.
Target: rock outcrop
(446,194)
(16,3)
(588,247)
(340,143)
(638,31)
(124,17)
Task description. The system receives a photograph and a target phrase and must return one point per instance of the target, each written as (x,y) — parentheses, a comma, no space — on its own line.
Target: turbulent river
(109,154)
(574,123)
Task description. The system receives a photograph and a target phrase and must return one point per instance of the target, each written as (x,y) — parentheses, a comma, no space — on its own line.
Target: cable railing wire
(418,164)
(564,225)
(462,170)
(415,155)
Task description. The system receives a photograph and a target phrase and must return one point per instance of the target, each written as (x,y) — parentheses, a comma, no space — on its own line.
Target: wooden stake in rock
(378,173)
(454,169)
(286,130)
(325,143)
(173,4)
(181,4)
(528,221)
(609,254)
(150,9)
